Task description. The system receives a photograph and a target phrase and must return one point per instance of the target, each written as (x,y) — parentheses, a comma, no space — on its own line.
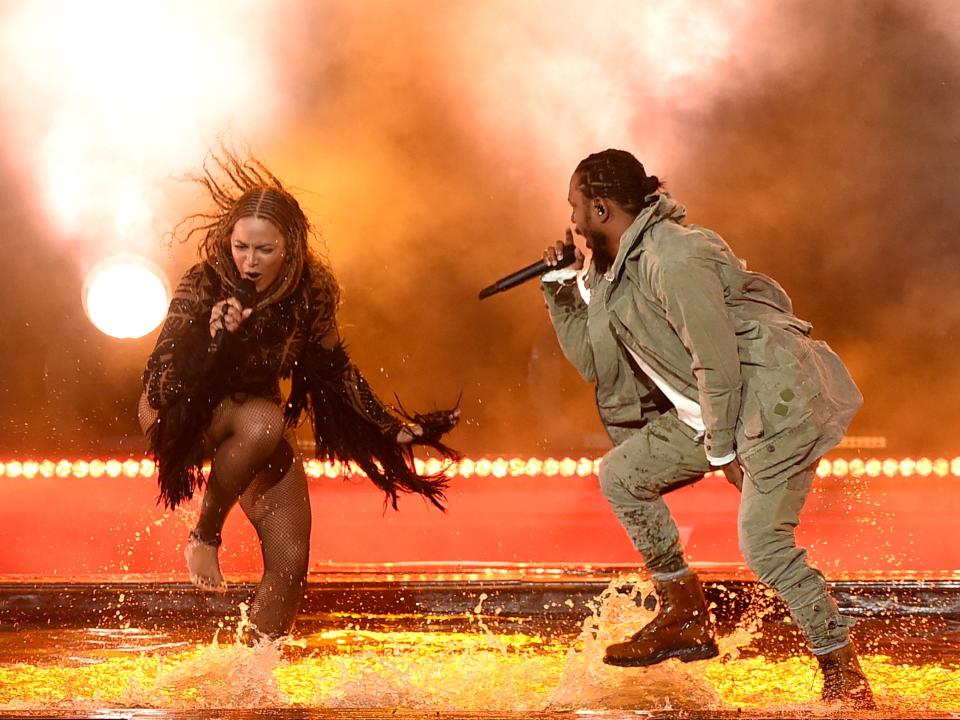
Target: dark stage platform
(456,642)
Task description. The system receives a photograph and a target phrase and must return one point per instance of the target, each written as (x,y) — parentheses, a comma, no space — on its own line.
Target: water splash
(433,668)
(621,610)
(231,675)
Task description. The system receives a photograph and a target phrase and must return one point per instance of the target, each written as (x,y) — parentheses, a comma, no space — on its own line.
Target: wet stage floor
(480,643)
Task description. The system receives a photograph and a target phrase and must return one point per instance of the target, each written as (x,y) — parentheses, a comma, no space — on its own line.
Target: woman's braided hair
(619,176)
(242,188)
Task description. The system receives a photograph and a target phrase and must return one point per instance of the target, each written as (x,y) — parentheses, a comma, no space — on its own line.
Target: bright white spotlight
(126,296)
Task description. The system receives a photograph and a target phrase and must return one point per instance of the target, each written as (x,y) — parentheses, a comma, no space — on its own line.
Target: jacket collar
(662,207)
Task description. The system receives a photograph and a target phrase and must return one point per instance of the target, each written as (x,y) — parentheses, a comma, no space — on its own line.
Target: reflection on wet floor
(484,660)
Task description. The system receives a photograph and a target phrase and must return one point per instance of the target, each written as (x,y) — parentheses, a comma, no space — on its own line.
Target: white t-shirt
(689,411)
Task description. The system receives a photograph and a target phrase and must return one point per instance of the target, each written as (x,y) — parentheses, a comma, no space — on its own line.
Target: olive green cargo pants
(665,455)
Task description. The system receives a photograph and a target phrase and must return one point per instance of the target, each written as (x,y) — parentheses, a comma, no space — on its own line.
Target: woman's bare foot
(204,564)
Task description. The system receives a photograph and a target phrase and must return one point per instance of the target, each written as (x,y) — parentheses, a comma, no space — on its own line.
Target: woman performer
(261,306)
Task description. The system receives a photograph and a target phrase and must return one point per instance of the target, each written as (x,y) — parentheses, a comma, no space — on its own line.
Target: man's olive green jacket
(727,338)
(626,398)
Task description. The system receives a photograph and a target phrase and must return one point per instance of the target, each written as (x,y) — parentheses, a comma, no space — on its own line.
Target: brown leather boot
(844,681)
(681,630)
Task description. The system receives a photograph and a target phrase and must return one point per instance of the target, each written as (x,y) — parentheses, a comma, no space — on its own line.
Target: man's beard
(602,259)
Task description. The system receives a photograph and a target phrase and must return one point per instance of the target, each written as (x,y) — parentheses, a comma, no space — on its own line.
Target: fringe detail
(435,425)
(176,443)
(176,438)
(343,433)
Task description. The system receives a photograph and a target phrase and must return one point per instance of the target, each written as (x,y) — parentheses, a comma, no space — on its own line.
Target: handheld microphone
(246,293)
(530,271)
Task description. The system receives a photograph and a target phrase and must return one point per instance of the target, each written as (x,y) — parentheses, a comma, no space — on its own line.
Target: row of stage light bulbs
(480,467)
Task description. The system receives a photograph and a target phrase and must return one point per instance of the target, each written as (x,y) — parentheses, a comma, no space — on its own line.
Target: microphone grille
(246,292)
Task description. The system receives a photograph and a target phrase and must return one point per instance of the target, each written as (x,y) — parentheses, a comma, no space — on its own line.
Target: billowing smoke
(432,142)
(105,100)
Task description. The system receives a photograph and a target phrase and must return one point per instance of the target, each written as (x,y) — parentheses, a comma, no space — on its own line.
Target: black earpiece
(600,210)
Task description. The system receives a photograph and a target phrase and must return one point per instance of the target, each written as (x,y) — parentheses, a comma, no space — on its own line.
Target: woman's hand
(227,315)
(440,422)
(409,433)
(552,255)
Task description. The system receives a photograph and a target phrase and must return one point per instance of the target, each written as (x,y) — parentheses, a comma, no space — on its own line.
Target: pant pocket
(781,457)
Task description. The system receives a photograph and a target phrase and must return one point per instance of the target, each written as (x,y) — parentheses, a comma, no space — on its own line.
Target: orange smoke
(432,142)
(111,98)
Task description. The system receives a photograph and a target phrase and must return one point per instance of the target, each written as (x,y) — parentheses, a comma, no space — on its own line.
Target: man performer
(751,394)
(626,399)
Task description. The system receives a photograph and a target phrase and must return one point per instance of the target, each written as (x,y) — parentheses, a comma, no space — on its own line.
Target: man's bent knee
(621,481)
(766,553)
(610,484)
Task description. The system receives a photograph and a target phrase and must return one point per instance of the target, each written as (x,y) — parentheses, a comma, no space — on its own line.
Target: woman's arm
(351,424)
(178,357)
(328,356)
(568,315)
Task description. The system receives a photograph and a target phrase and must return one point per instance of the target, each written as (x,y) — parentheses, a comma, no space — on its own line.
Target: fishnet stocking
(255,463)
(146,414)
(245,434)
(278,505)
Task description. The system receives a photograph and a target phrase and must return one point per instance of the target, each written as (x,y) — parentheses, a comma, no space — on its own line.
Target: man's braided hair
(619,176)
(242,188)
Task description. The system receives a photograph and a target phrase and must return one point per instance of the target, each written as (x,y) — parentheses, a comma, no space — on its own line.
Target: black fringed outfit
(185,383)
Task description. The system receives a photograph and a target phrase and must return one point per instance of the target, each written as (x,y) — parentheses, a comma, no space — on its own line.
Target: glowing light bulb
(126,296)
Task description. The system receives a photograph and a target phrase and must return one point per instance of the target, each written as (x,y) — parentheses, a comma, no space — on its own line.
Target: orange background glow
(431,142)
